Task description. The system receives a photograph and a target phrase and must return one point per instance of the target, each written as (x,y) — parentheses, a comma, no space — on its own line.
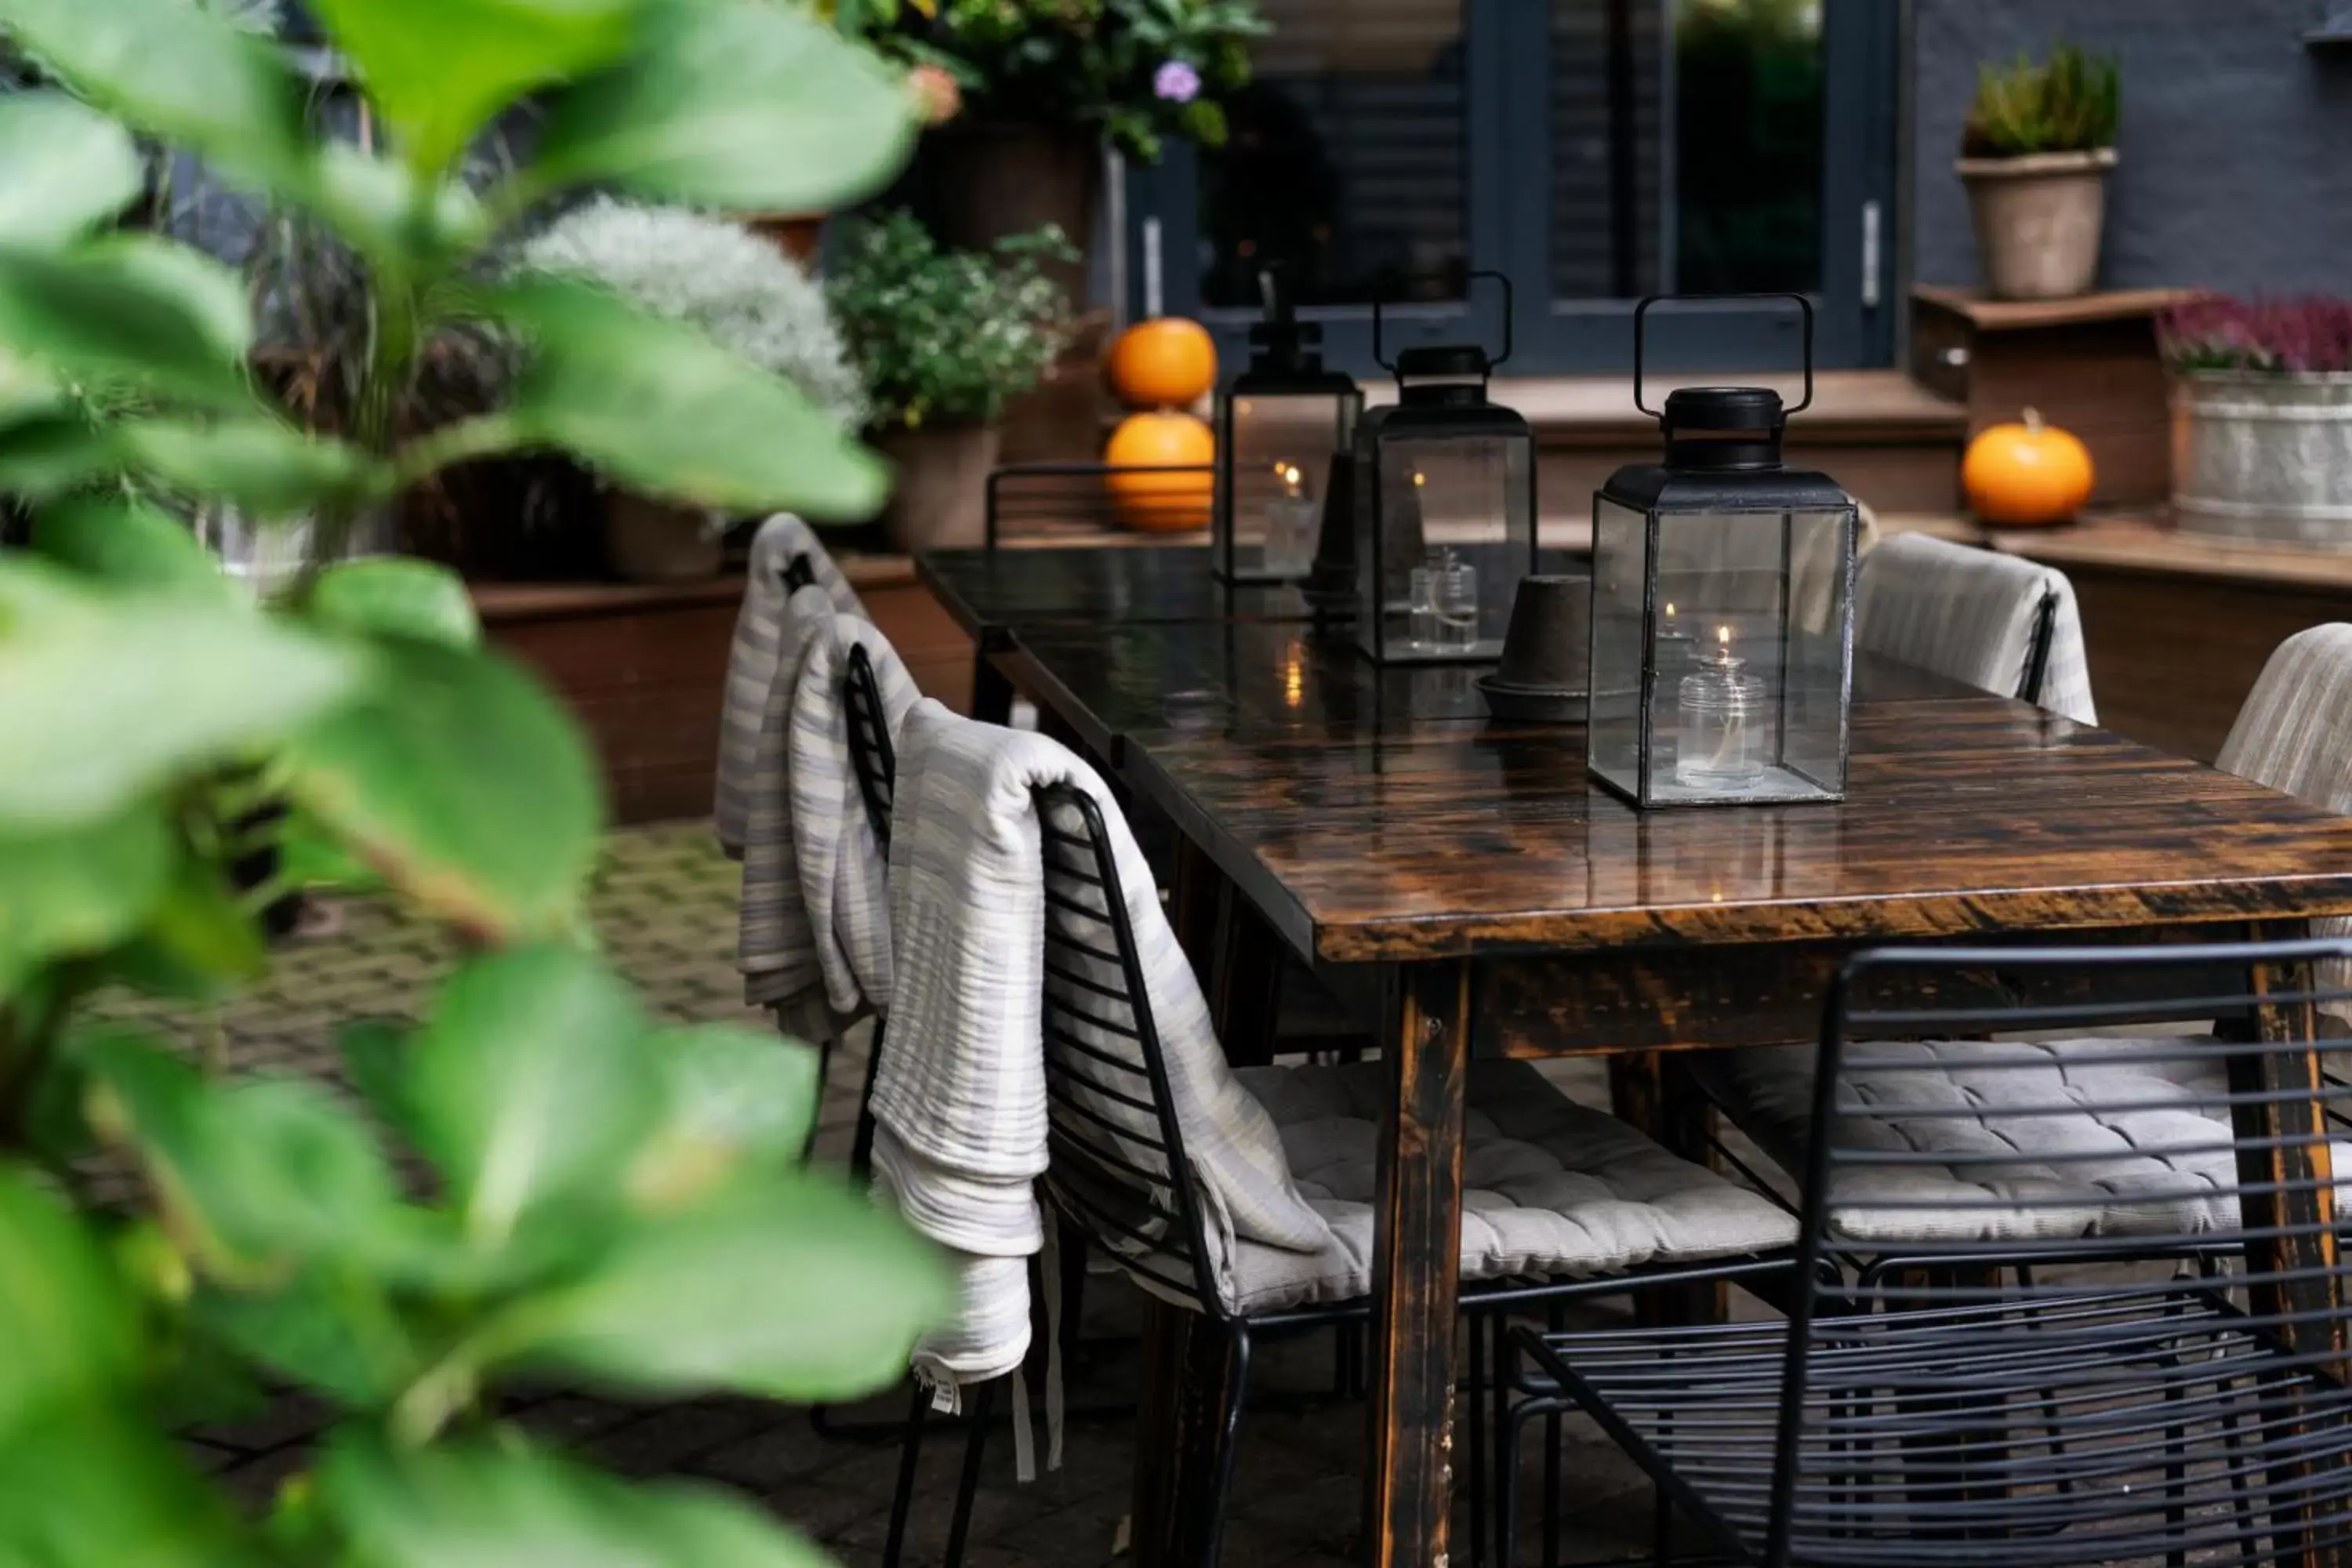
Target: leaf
(664,410)
(373,203)
(254,1172)
(78,890)
(199,943)
(334,1333)
(265,467)
(824,1298)
(130,306)
(63,1316)
(171,68)
(736,105)
(474,1505)
(439,69)
(68,169)
(105,697)
(731,1096)
(130,544)
(397,596)
(85,1485)
(530,1085)
(43,458)
(465,782)
(312,858)
(375,1056)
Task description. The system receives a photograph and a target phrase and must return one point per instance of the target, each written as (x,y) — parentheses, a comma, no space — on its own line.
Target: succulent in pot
(2035,155)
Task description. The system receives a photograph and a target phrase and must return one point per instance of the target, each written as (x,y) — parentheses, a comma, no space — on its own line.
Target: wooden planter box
(644,666)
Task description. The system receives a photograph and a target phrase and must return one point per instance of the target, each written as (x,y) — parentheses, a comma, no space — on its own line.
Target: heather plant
(2297,336)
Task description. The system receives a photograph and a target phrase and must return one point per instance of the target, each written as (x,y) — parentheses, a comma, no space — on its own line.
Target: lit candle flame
(1670,609)
(1723,636)
(1420,479)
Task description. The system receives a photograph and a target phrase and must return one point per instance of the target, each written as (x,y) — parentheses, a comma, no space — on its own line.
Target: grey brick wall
(2236,143)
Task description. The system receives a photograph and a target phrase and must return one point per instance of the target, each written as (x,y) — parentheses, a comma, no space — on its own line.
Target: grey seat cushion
(2169,1140)
(1551,1188)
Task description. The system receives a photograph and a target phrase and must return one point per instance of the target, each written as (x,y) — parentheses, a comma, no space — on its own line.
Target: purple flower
(1177,82)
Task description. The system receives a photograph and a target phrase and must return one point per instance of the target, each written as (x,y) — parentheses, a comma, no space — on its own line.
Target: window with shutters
(1591,151)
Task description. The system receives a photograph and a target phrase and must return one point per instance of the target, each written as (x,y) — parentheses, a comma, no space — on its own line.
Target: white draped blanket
(960,1098)
(752,661)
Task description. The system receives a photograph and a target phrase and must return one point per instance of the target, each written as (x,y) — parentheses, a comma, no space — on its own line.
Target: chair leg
(1232,1397)
(975,1442)
(1556,1322)
(1479,1325)
(910,1447)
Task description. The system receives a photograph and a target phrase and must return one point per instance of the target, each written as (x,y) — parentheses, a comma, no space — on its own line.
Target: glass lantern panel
(1620,632)
(1821,646)
(1457,517)
(1735,708)
(1282,447)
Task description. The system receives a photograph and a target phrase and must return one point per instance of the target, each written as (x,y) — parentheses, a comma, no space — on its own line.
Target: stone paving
(664,905)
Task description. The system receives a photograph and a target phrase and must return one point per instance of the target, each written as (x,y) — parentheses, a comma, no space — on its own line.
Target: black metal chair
(2081,1395)
(798,572)
(874,762)
(1074,500)
(1114,1141)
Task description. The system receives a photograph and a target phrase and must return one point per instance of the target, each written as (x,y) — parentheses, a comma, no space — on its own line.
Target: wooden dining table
(1472,894)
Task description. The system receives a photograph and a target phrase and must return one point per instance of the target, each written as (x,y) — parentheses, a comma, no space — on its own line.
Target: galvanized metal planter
(2263,456)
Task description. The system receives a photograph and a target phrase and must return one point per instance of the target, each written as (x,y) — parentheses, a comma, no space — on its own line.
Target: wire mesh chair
(2102,1402)
(1034,500)
(1120,1178)
(874,763)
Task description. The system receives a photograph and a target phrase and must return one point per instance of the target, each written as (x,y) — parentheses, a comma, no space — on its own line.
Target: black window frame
(1508,147)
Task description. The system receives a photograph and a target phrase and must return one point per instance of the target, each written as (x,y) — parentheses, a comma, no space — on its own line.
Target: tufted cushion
(1551,1188)
(2169,1138)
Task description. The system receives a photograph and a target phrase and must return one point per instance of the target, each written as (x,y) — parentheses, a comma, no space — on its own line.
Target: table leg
(991,694)
(1416,1262)
(2305,1207)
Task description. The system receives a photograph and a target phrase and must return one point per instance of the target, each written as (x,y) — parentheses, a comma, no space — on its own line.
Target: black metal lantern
(1446,507)
(1722,608)
(1280,425)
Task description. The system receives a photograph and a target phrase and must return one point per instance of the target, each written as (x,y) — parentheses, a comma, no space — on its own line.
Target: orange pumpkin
(1165,363)
(2026,474)
(1162,503)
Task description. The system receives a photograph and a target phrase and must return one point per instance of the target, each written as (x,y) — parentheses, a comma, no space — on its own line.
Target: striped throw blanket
(960,1098)
(752,662)
(1972,615)
(815,935)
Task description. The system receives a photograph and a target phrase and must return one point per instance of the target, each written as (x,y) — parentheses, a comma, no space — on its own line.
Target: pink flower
(1177,82)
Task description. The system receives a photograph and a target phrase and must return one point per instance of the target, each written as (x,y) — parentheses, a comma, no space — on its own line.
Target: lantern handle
(1380,359)
(1804,304)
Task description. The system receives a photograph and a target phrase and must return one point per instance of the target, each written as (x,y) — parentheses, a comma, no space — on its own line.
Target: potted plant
(2040,141)
(590,1171)
(2263,418)
(943,338)
(742,293)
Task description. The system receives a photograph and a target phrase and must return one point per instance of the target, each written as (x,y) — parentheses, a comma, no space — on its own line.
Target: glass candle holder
(1293,524)
(1721,742)
(1443,598)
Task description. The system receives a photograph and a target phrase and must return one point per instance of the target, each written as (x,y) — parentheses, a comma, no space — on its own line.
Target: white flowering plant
(711,274)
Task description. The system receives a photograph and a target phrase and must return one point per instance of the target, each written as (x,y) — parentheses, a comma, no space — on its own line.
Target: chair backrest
(1112,1133)
(2003,623)
(798,572)
(1029,500)
(2098,1316)
(871,756)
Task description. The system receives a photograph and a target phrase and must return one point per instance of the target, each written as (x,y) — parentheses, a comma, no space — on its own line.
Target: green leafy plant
(2071,103)
(946,335)
(1136,71)
(589,1175)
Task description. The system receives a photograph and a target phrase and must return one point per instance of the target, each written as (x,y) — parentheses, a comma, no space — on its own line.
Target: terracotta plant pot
(655,541)
(2038,220)
(941,498)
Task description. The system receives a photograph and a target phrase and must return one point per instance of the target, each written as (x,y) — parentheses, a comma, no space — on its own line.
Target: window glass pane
(1686,146)
(1345,159)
